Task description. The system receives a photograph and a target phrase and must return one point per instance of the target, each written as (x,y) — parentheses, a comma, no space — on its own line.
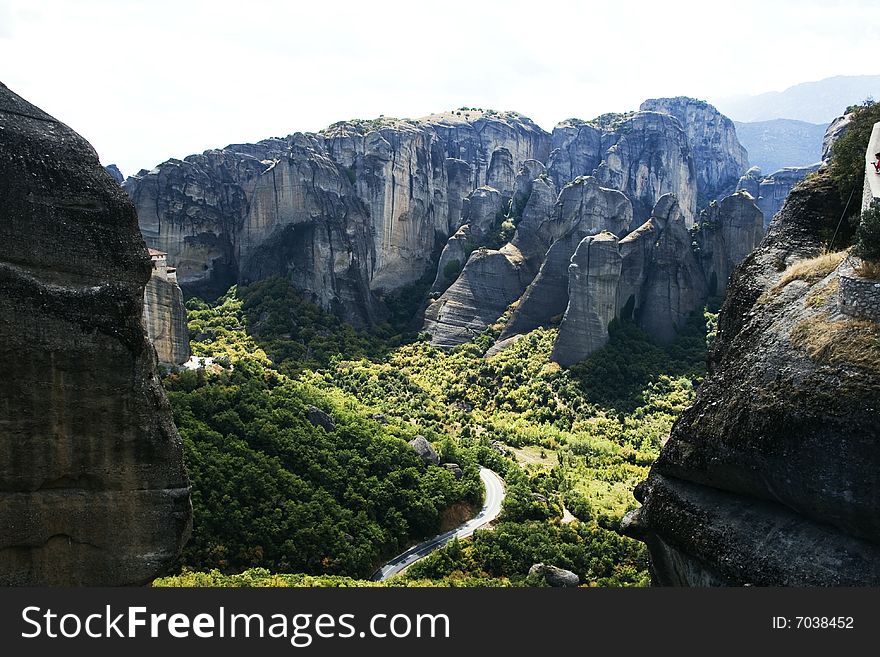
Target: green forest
(296,443)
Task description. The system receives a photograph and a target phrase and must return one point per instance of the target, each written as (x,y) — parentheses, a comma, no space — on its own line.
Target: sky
(147,80)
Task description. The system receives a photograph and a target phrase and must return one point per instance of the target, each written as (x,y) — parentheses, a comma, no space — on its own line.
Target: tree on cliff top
(848,154)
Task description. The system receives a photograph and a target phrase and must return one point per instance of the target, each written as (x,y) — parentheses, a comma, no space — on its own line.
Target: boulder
(455,469)
(423,448)
(554,576)
(319,418)
(93,490)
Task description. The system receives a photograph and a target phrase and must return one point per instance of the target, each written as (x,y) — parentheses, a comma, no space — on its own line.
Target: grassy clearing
(535,456)
(852,341)
(811,270)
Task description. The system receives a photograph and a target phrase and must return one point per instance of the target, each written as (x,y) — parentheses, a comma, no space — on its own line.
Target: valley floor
(276,493)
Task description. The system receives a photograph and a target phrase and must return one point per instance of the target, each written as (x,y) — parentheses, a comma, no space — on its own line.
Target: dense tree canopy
(272,490)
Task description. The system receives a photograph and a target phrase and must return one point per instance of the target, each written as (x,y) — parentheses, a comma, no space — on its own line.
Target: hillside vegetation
(274,491)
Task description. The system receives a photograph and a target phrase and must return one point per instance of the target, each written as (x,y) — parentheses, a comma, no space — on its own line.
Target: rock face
(674,284)
(644,154)
(348,215)
(783,439)
(493,279)
(836,129)
(728,232)
(115,173)
(719,158)
(653,276)
(771,191)
(93,489)
(594,274)
(165,313)
(356,212)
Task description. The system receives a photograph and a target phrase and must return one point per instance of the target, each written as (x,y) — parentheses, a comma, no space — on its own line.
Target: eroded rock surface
(165,313)
(771,477)
(93,489)
(349,214)
(719,157)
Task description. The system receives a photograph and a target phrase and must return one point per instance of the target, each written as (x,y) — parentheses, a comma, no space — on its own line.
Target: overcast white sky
(148,80)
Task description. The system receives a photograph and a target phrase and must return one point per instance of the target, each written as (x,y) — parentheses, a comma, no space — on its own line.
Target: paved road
(491,508)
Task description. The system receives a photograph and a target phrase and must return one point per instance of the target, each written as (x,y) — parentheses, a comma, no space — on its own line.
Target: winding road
(491,508)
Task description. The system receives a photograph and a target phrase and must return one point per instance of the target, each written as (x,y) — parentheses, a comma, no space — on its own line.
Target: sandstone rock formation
(493,279)
(674,284)
(719,158)
(165,313)
(652,276)
(836,129)
(771,477)
(644,154)
(348,214)
(594,274)
(93,489)
(728,232)
(354,213)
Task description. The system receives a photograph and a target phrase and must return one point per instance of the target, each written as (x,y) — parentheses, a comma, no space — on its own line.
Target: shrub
(451,269)
(868,235)
(848,153)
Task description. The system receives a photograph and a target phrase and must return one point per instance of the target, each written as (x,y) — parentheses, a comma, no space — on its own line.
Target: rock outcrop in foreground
(771,478)
(93,489)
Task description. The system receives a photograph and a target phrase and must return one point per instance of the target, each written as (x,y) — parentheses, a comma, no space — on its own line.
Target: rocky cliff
(356,212)
(92,485)
(771,477)
(771,191)
(349,214)
(719,157)
(165,318)
(657,276)
(547,232)
(643,154)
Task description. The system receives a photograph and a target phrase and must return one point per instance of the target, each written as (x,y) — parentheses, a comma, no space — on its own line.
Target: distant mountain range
(780,143)
(814,102)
